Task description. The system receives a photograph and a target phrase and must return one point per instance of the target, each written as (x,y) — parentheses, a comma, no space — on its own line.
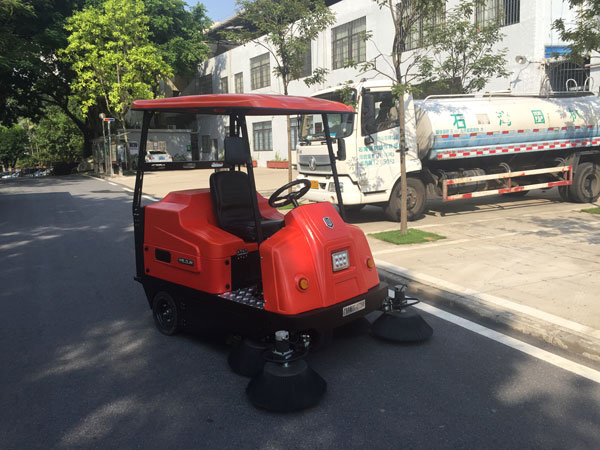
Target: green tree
(110,50)
(400,66)
(56,139)
(178,33)
(463,56)
(584,35)
(285,28)
(13,144)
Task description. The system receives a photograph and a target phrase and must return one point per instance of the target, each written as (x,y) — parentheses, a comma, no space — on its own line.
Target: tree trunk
(289,152)
(403,182)
(126,152)
(289,135)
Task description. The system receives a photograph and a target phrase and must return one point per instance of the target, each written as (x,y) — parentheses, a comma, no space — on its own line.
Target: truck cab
(370,166)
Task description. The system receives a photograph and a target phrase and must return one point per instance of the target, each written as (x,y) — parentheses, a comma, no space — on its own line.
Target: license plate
(314,184)
(354,307)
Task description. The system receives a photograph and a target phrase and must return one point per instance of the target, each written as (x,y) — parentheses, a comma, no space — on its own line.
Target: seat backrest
(237,151)
(231,199)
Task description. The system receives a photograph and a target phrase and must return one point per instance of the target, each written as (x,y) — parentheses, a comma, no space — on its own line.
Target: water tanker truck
(457,147)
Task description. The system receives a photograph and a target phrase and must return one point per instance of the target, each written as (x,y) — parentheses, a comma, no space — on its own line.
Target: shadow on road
(83,366)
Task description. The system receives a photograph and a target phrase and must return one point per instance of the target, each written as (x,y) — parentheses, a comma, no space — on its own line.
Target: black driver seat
(231,196)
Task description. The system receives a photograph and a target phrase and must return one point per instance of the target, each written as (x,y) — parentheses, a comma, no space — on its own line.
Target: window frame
(239,89)
(205,81)
(224,81)
(498,12)
(351,45)
(262,133)
(260,71)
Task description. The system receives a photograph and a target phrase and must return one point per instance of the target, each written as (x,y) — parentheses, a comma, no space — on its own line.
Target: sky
(218,10)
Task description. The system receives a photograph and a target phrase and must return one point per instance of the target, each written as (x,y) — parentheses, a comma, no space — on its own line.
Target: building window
(205,84)
(260,72)
(239,83)
(566,76)
(423,27)
(348,43)
(224,86)
(498,12)
(262,136)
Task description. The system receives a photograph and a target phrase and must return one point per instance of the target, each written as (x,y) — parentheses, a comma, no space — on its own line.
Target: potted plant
(278,163)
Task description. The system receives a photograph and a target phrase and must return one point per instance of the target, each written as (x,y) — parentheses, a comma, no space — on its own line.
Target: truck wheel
(351,209)
(586,183)
(415,205)
(565,194)
(166,315)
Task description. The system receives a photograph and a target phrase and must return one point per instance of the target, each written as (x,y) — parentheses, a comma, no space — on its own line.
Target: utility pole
(108,120)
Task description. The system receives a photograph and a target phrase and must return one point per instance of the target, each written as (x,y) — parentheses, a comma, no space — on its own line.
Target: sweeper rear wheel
(165,312)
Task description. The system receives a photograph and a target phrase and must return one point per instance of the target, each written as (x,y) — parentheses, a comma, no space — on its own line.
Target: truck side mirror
(341,153)
(369,140)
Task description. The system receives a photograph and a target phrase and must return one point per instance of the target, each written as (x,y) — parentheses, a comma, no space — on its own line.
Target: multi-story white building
(527,25)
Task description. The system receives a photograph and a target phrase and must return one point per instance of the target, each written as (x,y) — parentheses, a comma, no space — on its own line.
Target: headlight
(340,260)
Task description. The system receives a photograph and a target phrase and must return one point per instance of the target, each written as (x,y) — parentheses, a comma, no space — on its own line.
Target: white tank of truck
(450,123)
(457,147)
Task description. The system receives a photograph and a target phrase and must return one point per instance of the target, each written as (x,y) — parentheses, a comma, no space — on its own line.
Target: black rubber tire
(351,209)
(165,313)
(586,183)
(565,193)
(416,200)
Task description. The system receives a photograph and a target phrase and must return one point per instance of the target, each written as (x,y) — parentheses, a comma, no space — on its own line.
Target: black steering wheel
(277,200)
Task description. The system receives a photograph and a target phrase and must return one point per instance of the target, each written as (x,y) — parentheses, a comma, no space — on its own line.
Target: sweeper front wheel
(165,312)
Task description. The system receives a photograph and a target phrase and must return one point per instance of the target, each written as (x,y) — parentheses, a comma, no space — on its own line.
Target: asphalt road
(83,367)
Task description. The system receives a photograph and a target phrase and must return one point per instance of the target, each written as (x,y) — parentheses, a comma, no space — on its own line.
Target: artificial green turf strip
(283,208)
(412,237)
(595,210)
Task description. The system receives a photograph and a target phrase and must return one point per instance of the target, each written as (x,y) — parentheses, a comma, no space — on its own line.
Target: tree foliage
(285,29)
(30,72)
(584,35)
(56,139)
(400,66)
(464,55)
(13,144)
(110,50)
(178,33)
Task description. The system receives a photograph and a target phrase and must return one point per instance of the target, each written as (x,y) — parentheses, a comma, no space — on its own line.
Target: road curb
(584,344)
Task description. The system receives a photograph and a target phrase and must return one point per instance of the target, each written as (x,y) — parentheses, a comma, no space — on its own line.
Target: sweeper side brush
(399,322)
(286,383)
(247,358)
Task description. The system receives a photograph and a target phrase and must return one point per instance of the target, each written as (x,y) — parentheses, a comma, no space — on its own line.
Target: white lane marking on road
(111,183)
(455,241)
(528,349)
(152,199)
(488,298)
(127,189)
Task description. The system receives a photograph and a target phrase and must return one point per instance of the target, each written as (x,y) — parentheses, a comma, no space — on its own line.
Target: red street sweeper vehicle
(224,258)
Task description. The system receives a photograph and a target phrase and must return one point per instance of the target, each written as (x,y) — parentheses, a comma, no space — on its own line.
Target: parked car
(158,156)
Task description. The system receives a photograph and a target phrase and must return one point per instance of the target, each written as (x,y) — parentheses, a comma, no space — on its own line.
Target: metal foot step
(248,296)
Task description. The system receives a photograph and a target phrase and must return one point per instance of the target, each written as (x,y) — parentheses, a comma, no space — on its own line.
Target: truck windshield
(340,125)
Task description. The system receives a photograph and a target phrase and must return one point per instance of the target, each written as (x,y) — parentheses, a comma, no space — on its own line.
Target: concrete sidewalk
(159,184)
(531,265)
